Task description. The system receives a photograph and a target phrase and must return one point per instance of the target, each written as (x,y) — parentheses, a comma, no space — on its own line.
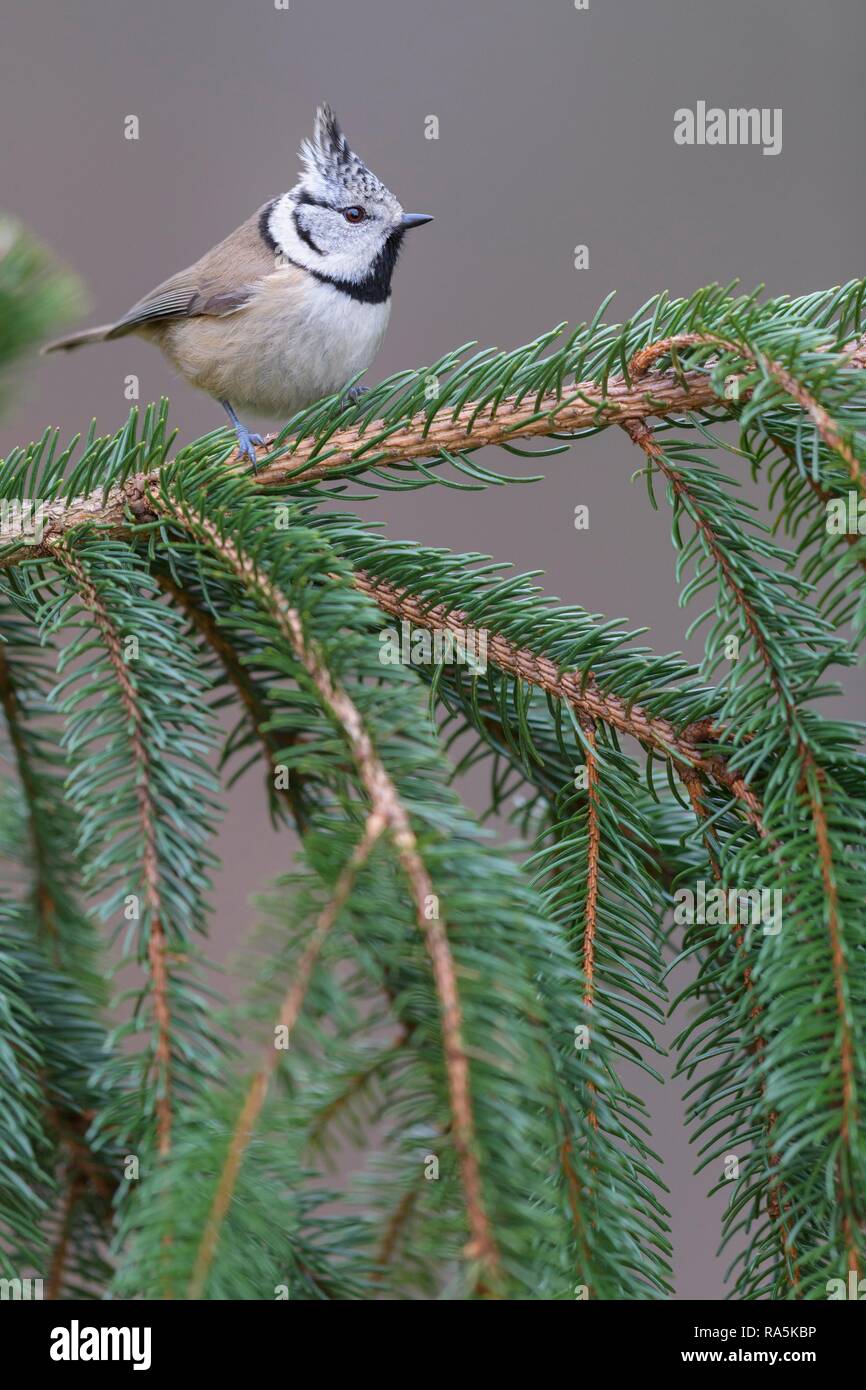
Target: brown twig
(393,1230)
(57,1269)
(593,855)
(821,418)
(695,787)
(592,866)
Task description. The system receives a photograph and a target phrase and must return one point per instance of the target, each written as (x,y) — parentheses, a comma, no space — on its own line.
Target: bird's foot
(354,394)
(247,441)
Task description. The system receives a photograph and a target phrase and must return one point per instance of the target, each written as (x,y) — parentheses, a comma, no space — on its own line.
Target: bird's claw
(247,442)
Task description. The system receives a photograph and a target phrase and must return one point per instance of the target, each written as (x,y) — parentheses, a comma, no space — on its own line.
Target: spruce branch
(823,494)
(358,1081)
(827,428)
(140,789)
(249,593)
(329,600)
(56,951)
(121,505)
(320,444)
(688,747)
(27,1184)
(387,805)
(47,851)
(824,423)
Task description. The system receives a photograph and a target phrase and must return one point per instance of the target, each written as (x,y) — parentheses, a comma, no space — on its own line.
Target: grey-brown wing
(180,299)
(220,283)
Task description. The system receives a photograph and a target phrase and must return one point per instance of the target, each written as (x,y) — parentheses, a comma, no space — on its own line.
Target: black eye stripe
(310,201)
(307,199)
(304,234)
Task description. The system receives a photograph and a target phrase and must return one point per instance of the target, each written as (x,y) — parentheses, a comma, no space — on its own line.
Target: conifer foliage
(471,1015)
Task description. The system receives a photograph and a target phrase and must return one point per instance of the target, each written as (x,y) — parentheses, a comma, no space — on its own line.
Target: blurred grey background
(555,130)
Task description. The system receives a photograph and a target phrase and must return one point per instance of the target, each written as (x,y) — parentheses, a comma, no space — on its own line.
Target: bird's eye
(354,214)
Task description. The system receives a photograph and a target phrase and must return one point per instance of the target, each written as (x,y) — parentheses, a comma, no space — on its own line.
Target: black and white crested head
(332,170)
(339,222)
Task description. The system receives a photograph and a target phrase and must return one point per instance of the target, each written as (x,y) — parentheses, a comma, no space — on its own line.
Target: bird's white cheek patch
(344,264)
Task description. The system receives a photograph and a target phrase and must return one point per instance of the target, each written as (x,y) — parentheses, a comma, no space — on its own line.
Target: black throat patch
(375,288)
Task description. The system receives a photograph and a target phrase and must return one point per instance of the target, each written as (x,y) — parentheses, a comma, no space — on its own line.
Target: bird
(291,305)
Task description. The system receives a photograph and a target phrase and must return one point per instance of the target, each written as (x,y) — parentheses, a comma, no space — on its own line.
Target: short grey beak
(415,219)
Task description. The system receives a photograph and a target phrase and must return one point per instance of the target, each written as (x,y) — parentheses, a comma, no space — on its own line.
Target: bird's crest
(330,165)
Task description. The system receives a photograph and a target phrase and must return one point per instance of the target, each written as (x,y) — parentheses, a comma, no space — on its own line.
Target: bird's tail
(75,340)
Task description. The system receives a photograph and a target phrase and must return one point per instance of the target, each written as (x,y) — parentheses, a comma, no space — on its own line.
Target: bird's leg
(354,394)
(246,439)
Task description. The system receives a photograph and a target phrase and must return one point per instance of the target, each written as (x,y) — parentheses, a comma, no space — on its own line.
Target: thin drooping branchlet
(157,948)
(143,801)
(777,633)
(55,949)
(286,1020)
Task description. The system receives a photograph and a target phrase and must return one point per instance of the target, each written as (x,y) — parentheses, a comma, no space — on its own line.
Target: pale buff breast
(296,340)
